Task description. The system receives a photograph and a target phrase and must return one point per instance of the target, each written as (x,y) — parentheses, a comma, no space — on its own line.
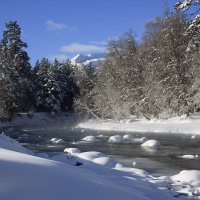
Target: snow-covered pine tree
(54,86)
(65,78)
(15,71)
(41,72)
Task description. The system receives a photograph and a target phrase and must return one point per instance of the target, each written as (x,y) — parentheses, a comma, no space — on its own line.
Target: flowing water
(163,161)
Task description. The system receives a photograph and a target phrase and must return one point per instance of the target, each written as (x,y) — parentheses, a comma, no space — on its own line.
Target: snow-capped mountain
(94,59)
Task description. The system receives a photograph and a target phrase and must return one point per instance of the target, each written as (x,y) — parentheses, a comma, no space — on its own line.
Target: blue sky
(63,28)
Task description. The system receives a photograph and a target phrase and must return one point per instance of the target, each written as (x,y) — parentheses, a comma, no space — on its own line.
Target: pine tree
(54,86)
(15,70)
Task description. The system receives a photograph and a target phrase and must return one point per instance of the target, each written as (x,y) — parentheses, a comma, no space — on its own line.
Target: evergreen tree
(54,86)
(15,70)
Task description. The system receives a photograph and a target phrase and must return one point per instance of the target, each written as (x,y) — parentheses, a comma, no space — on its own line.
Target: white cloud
(54,26)
(77,48)
(59,57)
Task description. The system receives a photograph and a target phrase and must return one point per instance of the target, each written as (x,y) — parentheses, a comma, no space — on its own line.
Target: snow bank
(42,119)
(24,176)
(182,124)
(11,144)
(27,177)
(151,144)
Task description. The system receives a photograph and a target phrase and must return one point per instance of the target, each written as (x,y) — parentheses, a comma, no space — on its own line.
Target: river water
(163,161)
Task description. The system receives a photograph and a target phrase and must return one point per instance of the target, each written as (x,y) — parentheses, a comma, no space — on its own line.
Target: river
(163,161)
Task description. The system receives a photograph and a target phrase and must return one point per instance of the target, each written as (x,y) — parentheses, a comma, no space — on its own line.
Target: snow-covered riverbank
(83,175)
(190,125)
(24,176)
(183,124)
(41,119)
(96,175)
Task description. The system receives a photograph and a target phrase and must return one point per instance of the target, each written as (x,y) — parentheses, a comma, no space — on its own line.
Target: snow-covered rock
(89,138)
(190,177)
(151,144)
(57,141)
(116,139)
(72,151)
(189,157)
(193,136)
(127,137)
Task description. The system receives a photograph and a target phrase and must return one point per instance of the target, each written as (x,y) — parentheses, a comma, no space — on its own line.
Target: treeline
(158,77)
(48,87)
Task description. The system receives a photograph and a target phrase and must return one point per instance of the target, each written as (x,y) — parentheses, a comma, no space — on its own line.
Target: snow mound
(72,151)
(90,155)
(116,139)
(189,157)
(191,177)
(89,138)
(127,137)
(193,137)
(105,161)
(57,141)
(151,144)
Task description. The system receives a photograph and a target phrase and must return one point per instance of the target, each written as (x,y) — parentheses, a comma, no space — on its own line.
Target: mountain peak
(94,59)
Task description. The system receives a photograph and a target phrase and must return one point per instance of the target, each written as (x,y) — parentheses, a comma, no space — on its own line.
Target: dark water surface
(164,161)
